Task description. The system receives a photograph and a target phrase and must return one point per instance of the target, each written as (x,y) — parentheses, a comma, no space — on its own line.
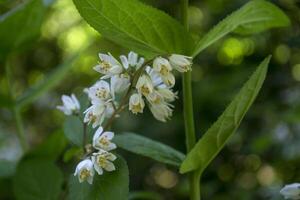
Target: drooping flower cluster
(132,82)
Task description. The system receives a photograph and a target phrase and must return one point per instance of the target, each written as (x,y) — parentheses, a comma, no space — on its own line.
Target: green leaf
(37,179)
(51,148)
(135,25)
(21,25)
(109,186)
(52,80)
(254,17)
(149,148)
(216,137)
(73,129)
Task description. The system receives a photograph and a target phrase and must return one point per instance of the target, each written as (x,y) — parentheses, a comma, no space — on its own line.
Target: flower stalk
(194,177)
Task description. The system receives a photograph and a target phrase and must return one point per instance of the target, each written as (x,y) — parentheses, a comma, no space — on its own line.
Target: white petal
(124,61)
(109,166)
(109,135)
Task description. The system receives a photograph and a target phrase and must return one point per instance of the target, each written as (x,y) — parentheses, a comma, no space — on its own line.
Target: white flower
(136,103)
(95,114)
(108,66)
(103,160)
(180,62)
(161,110)
(85,171)
(132,60)
(119,83)
(102,140)
(291,191)
(144,85)
(99,91)
(167,94)
(70,105)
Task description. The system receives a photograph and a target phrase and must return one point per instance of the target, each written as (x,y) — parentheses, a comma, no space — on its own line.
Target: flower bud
(180,62)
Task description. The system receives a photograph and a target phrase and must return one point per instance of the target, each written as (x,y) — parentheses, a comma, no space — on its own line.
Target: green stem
(194,177)
(20,129)
(16,109)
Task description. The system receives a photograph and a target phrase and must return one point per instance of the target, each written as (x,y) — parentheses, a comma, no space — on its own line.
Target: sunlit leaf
(37,179)
(144,146)
(21,25)
(134,25)
(216,137)
(254,17)
(109,186)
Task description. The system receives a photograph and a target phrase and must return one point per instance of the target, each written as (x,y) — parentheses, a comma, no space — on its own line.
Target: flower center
(164,70)
(104,141)
(105,66)
(84,174)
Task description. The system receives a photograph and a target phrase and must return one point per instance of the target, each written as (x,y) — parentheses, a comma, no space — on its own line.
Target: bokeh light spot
(266,175)
(296,72)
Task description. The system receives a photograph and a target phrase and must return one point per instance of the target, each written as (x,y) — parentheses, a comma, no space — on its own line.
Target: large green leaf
(254,17)
(109,186)
(37,179)
(51,80)
(21,25)
(134,25)
(149,148)
(216,137)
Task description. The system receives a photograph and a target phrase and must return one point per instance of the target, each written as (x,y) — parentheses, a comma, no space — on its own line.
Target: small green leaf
(50,82)
(73,129)
(51,148)
(37,179)
(135,25)
(149,148)
(21,25)
(254,17)
(216,137)
(109,186)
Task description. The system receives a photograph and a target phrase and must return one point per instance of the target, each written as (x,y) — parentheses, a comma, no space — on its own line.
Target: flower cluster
(100,160)
(128,81)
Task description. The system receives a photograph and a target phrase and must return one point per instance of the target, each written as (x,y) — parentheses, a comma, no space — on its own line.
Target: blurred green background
(263,155)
